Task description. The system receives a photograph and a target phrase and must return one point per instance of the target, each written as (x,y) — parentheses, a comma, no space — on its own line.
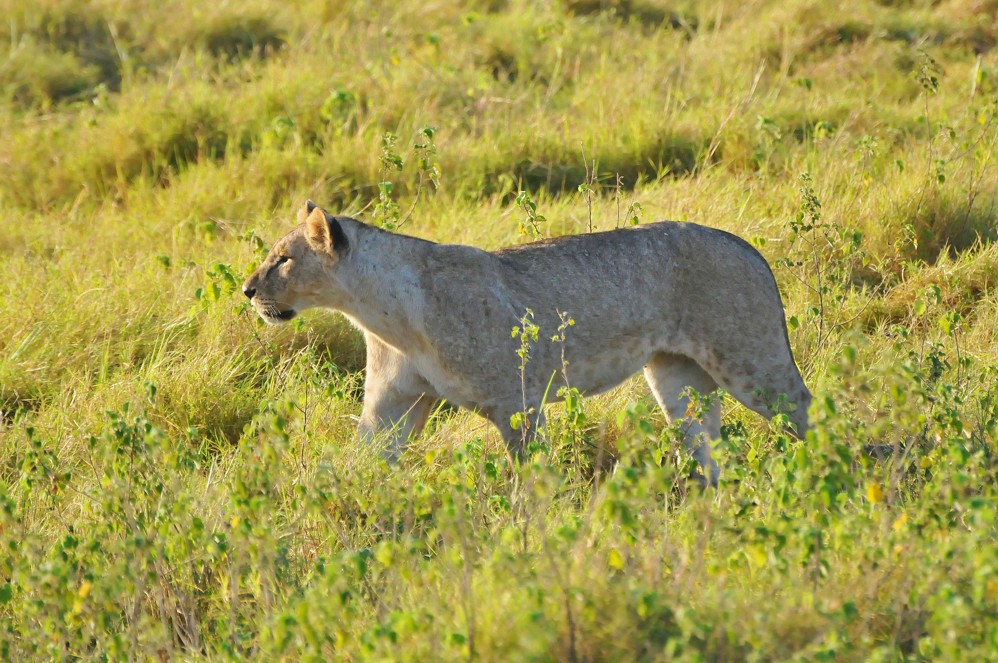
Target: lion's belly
(466,386)
(607,367)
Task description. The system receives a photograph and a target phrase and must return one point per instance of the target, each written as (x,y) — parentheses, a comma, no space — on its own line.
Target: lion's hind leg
(669,375)
(771,388)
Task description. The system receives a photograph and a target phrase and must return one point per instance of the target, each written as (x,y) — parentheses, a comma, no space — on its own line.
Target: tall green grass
(178,481)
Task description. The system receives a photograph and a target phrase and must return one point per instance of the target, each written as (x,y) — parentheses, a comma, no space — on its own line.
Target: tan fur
(691,306)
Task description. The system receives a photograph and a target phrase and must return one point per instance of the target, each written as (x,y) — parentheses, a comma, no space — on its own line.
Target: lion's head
(299,271)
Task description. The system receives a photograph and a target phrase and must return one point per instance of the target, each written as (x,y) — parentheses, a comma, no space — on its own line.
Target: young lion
(694,306)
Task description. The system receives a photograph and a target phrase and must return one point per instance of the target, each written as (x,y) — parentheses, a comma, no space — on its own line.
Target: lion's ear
(305,210)
(317,231)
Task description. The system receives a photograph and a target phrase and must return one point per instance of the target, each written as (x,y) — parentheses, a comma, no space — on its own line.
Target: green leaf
(615,560)
(849,353)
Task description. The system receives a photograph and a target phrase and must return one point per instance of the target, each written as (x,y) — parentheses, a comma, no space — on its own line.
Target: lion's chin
(277,317)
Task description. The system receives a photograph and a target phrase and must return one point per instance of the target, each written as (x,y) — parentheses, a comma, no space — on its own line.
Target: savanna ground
(178,481)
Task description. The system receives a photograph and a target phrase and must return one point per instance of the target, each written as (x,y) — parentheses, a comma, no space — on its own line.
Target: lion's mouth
(286,315)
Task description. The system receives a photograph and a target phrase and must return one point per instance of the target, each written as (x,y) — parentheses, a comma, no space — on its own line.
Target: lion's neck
(384,294)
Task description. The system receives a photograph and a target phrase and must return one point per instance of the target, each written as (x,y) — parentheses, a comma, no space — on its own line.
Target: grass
(179,481)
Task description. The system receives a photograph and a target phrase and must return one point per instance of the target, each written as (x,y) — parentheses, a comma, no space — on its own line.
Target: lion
(695,308)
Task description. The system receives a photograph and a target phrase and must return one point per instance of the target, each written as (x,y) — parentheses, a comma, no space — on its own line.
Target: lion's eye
(282,260)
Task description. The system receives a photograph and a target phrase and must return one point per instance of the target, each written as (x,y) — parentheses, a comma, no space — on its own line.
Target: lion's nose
(249,292)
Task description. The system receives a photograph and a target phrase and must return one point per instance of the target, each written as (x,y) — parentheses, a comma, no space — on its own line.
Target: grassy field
(180,482)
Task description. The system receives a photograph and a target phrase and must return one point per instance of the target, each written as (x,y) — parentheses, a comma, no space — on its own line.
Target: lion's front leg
(393,420)
(397,400)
